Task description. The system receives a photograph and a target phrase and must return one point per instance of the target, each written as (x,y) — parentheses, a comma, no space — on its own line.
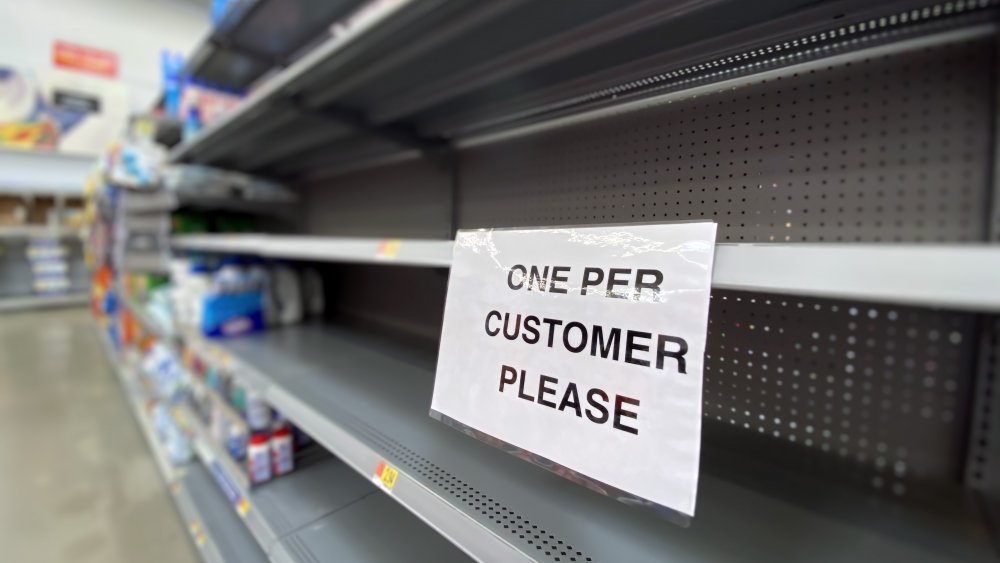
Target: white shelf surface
(37,231)
(402,252)
(366,400)
(29,302)
(959,277)
(44,172)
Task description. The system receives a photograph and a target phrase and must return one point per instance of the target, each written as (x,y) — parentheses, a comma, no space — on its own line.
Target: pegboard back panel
(406,199)
(893,147)
(873,395)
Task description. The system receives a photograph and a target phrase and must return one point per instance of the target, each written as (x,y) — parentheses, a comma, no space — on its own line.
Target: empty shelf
(366,399)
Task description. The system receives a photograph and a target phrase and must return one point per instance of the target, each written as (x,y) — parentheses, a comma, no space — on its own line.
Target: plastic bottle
(237,441)
(257,412)
(259,458)
(281,451)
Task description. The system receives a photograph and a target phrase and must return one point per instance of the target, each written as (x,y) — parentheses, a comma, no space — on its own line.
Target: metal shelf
(30,302)
(216,530)
(958,277)
(305,515)
(417,75)
(365,399)
(33,231)
(247,44)
(402,252)
(44,172)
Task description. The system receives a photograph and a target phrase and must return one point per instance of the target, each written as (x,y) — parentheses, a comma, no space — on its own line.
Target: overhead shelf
(365,398)
(959,277)
(410,76)
(249,41)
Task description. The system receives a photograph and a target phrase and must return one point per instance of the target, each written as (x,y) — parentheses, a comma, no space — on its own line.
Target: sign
(581,350)
(86,59)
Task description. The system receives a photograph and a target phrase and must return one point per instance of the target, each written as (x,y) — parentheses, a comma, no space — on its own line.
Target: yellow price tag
(243,507)
(389,248)
(386,475)
(200,538)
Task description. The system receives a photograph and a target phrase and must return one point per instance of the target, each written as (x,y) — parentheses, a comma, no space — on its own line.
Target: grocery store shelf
(44,172)
(150,322)
(403,252)
(29,302)
(422,74)
(255,105)
(365,399)
(218,533)
(139,401)
(39,231)
(956,277)
(246,44)
(305,514)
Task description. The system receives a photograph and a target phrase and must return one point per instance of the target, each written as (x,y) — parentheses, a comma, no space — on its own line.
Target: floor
(77,482)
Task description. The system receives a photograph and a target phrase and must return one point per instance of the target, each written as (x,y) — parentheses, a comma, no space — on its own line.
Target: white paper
(659,461)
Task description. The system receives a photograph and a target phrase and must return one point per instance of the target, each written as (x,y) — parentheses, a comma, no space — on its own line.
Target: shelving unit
(291,516)
(30,302)
(846,152)
(960,277)
(214,528)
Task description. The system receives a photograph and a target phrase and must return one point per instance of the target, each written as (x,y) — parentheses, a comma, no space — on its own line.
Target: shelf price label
(582,350)
(388,249)
(385,476)
(243,507)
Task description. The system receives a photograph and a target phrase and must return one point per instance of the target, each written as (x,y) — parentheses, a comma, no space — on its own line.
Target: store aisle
(77,482)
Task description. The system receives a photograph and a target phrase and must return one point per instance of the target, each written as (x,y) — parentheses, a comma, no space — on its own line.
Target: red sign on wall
(86,59)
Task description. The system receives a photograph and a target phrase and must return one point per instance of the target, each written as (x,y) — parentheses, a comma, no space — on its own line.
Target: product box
(232,314)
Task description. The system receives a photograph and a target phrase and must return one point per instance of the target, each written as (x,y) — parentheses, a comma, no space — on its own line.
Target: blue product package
(232,314)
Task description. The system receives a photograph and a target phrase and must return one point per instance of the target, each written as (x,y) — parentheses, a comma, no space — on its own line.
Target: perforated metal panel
(885,148)
(871,394)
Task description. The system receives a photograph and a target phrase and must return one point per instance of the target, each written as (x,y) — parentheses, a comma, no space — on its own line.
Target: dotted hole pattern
(984,465)
(890,148)
(877,388)
(546,546)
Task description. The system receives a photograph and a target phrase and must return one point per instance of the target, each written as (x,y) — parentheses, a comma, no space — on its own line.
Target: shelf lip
(960,277)
(12,304)
(365,19)
(30,231)
(388,251)
(225,538)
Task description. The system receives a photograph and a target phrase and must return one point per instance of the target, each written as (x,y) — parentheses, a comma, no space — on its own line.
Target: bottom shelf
(217,531)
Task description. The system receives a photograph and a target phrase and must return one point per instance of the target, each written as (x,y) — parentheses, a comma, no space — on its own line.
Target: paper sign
(583,348)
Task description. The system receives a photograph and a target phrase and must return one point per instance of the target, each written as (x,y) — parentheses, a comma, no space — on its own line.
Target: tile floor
(77,482)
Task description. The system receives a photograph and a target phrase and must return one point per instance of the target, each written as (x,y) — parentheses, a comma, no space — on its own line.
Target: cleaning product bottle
(281,450)
(259,458)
